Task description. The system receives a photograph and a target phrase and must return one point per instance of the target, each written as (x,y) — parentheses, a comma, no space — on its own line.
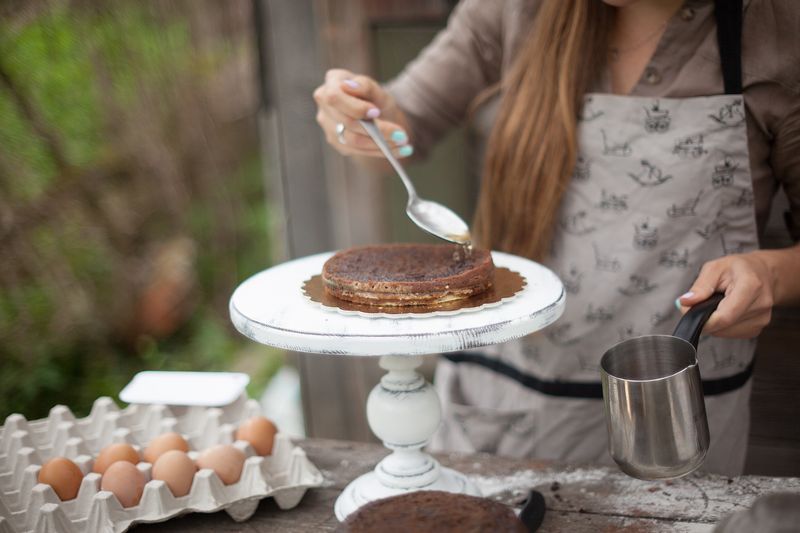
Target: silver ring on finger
(340,133)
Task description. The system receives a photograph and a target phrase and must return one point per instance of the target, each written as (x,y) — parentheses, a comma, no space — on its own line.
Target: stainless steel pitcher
(655,411)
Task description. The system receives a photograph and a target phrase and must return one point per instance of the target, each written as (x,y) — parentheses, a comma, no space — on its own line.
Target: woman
(634,146)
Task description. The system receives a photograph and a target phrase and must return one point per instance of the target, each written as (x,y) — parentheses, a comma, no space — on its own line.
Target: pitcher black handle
(691,324)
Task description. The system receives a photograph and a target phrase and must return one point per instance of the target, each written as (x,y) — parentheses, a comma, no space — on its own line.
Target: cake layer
(433,512)
(407,274)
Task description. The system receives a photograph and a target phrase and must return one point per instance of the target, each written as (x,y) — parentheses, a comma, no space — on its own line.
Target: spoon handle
(532,513)
(373,132)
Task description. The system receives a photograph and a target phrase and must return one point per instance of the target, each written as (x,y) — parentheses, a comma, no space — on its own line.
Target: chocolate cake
(434,512)
(407,274)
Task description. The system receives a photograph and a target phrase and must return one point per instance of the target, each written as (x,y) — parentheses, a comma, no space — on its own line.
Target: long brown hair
(533,146)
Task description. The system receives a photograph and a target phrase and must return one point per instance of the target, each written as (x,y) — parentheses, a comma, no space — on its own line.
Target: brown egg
(259,432)
(63,475)
(113,453)
(164,443)
(224,459)
(176,469)
(125,481)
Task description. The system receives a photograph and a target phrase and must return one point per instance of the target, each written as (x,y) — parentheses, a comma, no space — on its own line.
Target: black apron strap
(583,389)
(570,389)
(728,14)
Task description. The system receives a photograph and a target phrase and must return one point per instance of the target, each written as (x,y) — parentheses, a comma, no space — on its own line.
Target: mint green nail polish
(406,151)
(678,304)
(399,137)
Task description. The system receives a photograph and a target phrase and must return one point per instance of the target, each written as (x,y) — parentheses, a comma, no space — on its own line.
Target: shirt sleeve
(435,90)
(786,165)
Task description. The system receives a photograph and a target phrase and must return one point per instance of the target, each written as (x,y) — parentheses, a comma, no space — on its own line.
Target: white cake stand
(403,410)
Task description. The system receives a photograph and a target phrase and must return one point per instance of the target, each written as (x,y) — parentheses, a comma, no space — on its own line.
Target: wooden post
(290,71)
(321,201)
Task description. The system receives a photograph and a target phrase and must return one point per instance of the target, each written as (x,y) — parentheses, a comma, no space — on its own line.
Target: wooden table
(578,498)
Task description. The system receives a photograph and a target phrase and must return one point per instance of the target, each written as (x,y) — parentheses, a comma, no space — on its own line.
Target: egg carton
(27,506)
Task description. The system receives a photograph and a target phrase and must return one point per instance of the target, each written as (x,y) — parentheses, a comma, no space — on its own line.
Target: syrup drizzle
(462,252)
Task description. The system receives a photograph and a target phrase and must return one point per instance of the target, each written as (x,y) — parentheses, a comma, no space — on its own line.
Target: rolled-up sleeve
(435,90)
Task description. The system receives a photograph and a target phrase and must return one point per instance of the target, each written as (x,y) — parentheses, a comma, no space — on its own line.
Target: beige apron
(661,186)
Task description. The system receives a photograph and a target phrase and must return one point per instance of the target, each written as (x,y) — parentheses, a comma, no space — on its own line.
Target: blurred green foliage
(50,61)
(82,69)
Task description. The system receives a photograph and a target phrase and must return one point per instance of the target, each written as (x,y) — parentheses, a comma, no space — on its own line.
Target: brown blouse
(478,46)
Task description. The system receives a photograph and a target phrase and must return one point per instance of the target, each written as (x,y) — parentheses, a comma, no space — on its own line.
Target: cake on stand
(403,410)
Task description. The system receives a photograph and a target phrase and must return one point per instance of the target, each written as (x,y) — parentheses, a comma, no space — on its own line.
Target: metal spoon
(430,216)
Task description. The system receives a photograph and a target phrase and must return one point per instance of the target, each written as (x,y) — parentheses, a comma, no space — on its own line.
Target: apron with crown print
(661,186)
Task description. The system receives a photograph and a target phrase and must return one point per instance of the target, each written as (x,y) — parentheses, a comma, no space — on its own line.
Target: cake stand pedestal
(403,410)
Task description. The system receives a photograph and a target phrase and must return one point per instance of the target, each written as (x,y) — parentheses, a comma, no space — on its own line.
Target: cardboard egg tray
(29,506)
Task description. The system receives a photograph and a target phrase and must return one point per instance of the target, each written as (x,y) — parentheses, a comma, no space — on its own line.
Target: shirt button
(652,76)
(687,14)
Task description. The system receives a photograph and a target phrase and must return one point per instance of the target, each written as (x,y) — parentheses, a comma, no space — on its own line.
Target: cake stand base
(368,487)
(404,411)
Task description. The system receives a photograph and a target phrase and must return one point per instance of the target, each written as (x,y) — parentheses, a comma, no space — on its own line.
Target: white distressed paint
(403,411)
(270,308)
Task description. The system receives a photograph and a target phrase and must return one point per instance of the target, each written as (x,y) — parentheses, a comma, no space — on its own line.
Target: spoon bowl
(438,220)
(432,217)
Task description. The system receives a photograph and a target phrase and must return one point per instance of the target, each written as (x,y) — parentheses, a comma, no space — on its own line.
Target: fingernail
(353,84)
(678,304)
(686,295)
(399,137)
(406,150)
(374,112)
